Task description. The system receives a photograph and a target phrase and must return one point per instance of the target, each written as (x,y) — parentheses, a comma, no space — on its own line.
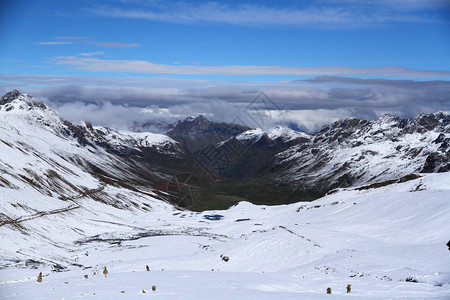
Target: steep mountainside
(355,152)
(65,160)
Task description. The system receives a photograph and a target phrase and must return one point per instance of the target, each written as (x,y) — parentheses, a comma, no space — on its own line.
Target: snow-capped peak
(15,106)
(17,102)
(285,133)
(277,132)
(10,96)
(252,134)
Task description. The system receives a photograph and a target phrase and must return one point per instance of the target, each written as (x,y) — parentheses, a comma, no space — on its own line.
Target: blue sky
(172,53)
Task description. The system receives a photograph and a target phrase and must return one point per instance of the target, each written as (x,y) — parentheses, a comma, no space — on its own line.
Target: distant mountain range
(200,164)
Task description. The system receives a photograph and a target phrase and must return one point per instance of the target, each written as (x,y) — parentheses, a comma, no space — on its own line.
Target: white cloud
(118,102)
(140,66)
(89,54)
(331,14)
(10,60)
(39,66)
(54,43)
(310,120)
(104,113)
(72,38)
(84,39)
(116,44)
(124,116)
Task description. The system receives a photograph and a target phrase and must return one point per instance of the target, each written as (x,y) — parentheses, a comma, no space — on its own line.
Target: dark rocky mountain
(198,133)
(9,97)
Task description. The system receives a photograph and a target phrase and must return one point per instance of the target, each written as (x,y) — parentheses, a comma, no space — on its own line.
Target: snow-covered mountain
(355,152)
(346,153)
(75,198)
(298,166)
(64,160)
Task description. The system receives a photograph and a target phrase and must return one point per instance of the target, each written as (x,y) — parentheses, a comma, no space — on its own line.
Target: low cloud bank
(309,104)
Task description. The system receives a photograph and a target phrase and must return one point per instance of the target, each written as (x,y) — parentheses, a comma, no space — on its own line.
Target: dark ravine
(211,166)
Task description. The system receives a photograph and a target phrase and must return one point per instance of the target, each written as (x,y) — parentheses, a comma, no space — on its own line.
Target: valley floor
(387,243)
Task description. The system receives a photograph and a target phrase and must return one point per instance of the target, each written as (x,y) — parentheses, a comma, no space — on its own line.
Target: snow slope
(380,240)
(64,160)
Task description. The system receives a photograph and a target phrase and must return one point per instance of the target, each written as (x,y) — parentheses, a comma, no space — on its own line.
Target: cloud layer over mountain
(121,102)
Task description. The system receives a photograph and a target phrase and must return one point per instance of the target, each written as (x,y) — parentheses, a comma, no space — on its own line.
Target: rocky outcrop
(9,97)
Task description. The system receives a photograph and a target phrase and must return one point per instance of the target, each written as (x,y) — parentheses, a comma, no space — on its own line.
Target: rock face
(197,133)
(9,97)
(200,125)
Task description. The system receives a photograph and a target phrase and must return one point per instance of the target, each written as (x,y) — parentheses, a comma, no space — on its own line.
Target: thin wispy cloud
(75,38)
(39,66)
(401,5)
(67,40)
(89,54)
(10,60)
(411,84)
(346,14)
(116,44)
(139,66)
(54,43)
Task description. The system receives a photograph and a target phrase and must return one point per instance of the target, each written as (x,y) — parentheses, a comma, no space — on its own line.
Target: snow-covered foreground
(387,242)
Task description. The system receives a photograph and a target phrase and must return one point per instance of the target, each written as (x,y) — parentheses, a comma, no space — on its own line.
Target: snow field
(378,240)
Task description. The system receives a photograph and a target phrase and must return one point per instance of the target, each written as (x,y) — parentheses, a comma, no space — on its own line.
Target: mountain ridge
(229,161)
